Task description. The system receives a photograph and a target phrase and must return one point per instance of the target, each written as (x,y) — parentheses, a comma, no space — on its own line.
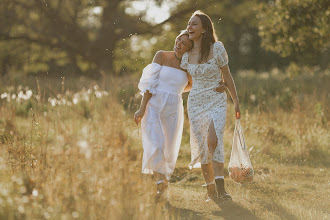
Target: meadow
(70,150)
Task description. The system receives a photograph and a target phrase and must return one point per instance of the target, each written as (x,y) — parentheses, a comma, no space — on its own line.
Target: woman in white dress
(207,63)
(161,111)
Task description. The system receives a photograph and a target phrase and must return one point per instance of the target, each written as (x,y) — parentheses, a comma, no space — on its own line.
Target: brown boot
(211,193)
(161,194)
(222,194)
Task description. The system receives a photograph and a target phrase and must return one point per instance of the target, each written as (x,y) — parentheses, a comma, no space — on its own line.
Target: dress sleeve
(149,79)
(184,61)
(220,54)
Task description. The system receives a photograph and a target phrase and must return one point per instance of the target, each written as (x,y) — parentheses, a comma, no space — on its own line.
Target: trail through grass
(76,154)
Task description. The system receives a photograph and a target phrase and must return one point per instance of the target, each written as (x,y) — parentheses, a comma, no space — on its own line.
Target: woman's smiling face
(195,28)
(182,44)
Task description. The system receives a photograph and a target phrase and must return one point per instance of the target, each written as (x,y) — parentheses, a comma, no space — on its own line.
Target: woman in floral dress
(161,112)
(207,63)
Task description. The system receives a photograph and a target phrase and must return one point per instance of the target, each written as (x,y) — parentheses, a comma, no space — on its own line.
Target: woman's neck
(178,55)
(197,44)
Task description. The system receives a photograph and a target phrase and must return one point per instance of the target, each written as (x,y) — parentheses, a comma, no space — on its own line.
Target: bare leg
(212,141)
(207,170)
(218,168)
(161,185)
(160,177)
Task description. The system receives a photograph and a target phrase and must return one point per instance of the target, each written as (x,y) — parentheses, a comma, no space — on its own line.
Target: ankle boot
(211,193)
(161,192)
(222,194)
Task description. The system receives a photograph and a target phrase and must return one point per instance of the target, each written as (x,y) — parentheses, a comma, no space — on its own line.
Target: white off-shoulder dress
(206,105)
(162,122)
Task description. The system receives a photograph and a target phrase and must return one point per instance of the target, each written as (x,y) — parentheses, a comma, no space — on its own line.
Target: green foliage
(286,100)
(83,36)
(129,58)
(97,38)
(23,108)
(85,109)
(297,28)
(236,26)
(129,98)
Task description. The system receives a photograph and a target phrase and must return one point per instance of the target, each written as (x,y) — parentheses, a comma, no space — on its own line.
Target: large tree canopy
(84,29)
(41,36)
(296,28)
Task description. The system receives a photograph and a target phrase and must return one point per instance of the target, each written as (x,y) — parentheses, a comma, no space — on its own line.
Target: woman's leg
(161,185)
(212,139)
(218,168)
(160,177)
(207,170)
(212,142)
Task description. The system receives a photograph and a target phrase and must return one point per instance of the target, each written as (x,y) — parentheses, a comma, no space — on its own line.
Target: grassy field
(70,150)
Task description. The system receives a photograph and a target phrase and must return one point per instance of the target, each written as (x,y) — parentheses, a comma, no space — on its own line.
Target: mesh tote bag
(240,167)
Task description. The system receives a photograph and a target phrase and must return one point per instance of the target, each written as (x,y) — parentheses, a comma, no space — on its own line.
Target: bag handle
(238,129)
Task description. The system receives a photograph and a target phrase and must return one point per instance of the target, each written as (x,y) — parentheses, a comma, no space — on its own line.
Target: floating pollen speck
(35,192)
(82,144)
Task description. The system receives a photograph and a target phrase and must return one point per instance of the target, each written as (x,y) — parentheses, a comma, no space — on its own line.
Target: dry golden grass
(84,160)
(278,192)
(61,165)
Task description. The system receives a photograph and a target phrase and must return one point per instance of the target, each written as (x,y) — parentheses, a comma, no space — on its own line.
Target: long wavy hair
(209,37)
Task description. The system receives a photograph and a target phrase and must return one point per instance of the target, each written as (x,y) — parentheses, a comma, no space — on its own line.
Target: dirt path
(189,204)
(299,193)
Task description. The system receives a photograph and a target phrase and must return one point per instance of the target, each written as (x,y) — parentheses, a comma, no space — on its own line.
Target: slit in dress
(209,133)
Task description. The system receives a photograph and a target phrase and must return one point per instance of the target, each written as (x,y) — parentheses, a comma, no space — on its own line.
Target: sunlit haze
(154,14)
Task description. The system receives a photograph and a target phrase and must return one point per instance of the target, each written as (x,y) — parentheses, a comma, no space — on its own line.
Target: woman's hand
(221,88)
(138,115)
(237,111)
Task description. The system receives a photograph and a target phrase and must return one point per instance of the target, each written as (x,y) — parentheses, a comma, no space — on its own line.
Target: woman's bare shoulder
(159,57)
(162,56)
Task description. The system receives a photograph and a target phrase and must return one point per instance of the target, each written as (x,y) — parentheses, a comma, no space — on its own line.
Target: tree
(236,26)
(298,28)
(85,30)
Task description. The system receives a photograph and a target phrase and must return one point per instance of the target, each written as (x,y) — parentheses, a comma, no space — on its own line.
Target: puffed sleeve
(220,54)
(149,79)
(184,61)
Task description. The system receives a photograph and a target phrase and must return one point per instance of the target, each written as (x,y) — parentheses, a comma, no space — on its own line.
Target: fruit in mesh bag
(241,175)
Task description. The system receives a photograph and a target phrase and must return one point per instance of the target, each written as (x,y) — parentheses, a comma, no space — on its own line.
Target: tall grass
(285,114)
(75,153)
(56,163)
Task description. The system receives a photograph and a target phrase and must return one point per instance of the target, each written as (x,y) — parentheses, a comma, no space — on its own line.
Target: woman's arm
(229,81)
(189,85)
(221,88)
(147,95)
(140,113)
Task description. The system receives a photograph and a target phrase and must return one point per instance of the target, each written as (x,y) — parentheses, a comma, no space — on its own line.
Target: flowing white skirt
(162,127)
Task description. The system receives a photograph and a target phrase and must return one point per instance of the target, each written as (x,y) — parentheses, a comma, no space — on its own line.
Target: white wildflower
(4,95)
(28,94)
(75,100)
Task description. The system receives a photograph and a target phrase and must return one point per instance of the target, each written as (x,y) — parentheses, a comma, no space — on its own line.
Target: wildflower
(4,95)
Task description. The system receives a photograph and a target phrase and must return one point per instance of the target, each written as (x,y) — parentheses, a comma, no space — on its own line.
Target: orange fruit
(241,175)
